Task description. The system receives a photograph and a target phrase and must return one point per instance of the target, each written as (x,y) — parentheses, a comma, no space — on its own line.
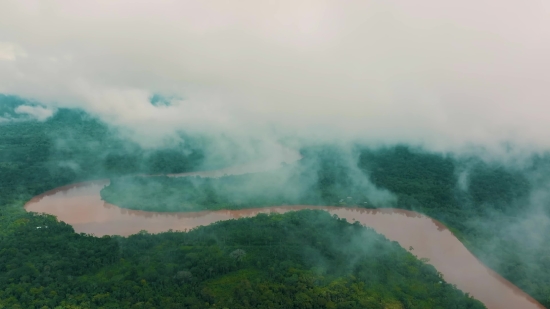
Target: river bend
(80,205)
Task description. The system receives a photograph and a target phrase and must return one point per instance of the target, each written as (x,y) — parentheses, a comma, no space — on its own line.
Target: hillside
(305,259)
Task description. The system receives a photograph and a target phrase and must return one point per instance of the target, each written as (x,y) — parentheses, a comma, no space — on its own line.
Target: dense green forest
(53,267)
(427,183)
(492,217)
(296,260)
(72,146)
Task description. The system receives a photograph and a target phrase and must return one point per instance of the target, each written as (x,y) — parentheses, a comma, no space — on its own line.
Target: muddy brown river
(80,205)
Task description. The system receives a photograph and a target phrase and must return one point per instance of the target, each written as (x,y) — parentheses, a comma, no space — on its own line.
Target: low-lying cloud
(36,112)
(448,76)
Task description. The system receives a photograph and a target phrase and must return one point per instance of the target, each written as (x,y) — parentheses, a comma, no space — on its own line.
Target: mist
(446,76)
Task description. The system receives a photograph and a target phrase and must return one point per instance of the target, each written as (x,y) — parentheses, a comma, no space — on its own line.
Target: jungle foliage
(72,146)
(496,197)
(305,259)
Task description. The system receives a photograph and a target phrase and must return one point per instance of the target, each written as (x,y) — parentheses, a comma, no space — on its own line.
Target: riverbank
(297,259)
(82,207)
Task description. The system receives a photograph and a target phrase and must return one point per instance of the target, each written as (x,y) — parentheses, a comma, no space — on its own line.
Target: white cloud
(445,74)
(37,112)
(10,51)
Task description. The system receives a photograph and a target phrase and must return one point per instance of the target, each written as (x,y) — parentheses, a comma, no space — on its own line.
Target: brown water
(81,206)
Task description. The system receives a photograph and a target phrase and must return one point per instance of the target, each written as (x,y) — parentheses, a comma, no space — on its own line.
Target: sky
(446,75)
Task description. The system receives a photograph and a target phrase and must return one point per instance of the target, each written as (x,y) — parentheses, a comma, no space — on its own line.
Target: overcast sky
(445,74)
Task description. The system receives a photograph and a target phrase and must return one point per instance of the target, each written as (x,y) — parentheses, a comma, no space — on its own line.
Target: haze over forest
(440,108)
(446,76)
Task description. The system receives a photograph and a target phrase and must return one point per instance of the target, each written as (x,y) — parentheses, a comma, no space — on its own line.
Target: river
(80,205)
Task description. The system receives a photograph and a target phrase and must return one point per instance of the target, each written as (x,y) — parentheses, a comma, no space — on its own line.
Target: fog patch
(39,113)
(6,118)
(16,109)
(69,164)
(463,180)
